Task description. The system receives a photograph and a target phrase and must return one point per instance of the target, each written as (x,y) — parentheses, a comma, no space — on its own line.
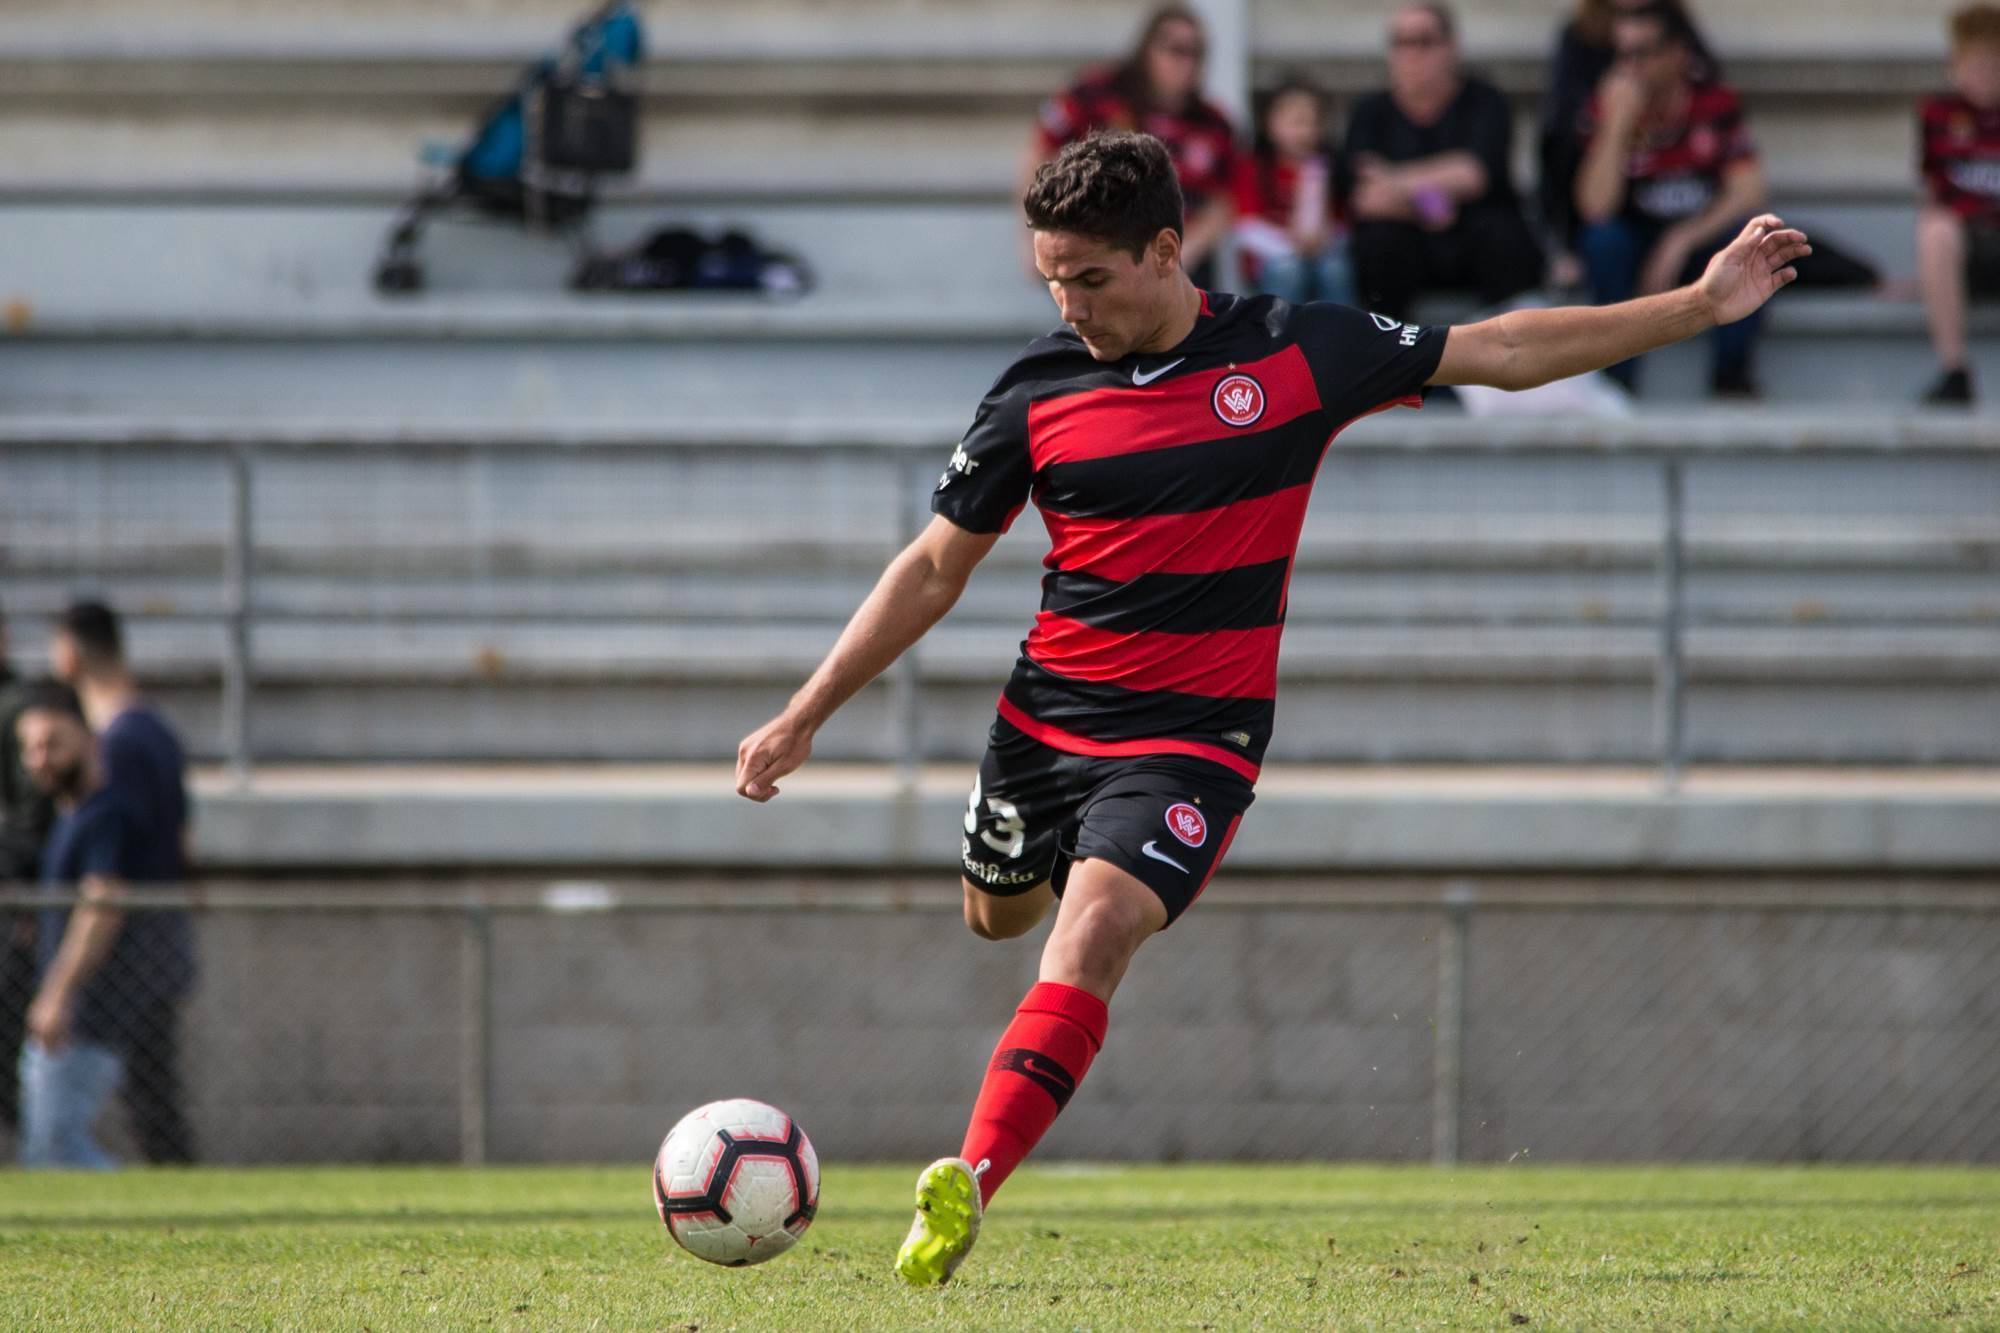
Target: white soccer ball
(736,1182)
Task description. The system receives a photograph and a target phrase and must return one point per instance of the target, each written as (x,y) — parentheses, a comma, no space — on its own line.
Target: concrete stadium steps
(534,602)
(879,95)
(974,143)
(835,818)
(265,310)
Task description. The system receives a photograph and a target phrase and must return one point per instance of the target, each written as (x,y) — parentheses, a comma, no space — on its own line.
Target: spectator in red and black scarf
(1288,225)
(1669,177)
(1958,227)
(1157,91)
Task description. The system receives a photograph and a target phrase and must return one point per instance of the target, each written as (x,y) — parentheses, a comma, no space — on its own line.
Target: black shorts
(1982,259)
(1163,819)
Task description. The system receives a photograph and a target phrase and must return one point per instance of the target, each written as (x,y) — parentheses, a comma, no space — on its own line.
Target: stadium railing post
(1448,1051)
(1668,684)
(237,574)
(475,1049)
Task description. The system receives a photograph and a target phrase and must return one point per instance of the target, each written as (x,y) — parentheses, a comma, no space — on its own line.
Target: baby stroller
(539,152)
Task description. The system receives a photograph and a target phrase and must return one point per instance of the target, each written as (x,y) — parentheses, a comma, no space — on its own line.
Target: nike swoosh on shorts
(1152,849)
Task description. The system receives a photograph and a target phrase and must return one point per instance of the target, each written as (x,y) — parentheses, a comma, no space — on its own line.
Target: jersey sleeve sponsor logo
(1186,823)
(962,465)
(1406,334)
(1239,401)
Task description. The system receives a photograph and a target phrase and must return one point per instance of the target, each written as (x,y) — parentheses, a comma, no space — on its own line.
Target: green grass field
(1100,1248)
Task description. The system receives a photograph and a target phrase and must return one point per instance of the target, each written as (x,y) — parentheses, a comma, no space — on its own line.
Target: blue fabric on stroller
(537,153)
(604,47)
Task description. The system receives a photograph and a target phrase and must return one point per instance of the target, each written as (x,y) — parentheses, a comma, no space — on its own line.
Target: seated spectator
(1157,91)
(106,977)
(1958,226)
(1669,177)
(1288,228)
(1583,57)
(1429,186)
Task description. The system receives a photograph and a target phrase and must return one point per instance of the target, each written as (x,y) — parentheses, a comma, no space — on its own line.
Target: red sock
(1042,1057)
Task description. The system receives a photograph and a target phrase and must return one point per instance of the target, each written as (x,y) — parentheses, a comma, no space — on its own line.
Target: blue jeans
(1326,276)
(62,1094)
(1613,252)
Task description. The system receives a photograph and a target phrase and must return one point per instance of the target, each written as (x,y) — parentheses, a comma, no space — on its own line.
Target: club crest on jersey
(1239,400)
(1185,822)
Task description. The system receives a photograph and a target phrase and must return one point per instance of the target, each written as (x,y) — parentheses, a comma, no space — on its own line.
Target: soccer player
(1169,437)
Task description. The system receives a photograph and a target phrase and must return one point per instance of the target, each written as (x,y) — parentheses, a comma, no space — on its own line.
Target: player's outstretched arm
(914,592)
(1526,348)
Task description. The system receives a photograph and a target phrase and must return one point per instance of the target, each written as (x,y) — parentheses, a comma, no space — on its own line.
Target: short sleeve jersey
(1174,489)
(144,763)
(152,960)
(1200,138)
(1676,169)
(1961,157)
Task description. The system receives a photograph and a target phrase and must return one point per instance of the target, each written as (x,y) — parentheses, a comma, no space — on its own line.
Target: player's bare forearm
(913,594)
(1526,348)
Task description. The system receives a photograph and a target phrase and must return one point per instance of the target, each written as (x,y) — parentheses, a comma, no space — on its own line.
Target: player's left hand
(1756,266)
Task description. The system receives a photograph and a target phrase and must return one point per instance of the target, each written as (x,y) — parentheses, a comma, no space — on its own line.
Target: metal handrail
(914,449)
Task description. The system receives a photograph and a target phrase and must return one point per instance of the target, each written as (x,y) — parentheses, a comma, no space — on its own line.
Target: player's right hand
(769,753)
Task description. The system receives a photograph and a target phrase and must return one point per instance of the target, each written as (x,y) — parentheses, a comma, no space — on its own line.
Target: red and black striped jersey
(1961,156)
(1174,488)
(1676,167)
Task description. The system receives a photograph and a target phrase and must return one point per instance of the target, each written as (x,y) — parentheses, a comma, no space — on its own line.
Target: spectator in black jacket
(1430,187)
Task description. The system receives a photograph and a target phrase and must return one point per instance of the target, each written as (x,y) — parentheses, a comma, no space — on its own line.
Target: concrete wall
(1259,1032)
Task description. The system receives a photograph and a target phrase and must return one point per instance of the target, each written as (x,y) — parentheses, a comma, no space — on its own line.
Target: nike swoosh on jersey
(1152,849)
(1142,380)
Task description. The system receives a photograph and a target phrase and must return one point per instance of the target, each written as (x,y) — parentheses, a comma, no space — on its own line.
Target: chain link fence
(1478,1021)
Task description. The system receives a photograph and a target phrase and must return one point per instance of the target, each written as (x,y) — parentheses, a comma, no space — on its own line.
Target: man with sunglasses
(1428,177)
(1669,177)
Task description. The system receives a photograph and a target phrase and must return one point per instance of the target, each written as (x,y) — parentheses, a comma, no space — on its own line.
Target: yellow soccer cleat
(948,1210)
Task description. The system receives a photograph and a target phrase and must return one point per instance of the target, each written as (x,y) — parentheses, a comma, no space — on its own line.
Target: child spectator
(1288,227)
(1157,91)
(1958,226)
(1669,177)
(1430,164)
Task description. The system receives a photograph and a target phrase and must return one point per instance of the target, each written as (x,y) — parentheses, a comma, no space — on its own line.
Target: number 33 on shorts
(1009,834)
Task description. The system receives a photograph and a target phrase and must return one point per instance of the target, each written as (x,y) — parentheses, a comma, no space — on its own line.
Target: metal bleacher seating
(193,205)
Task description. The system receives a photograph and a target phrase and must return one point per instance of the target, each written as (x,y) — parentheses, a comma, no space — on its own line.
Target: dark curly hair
(1114,186)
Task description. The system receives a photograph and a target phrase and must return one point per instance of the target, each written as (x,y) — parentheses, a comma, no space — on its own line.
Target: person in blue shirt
(143,763)
(143,758)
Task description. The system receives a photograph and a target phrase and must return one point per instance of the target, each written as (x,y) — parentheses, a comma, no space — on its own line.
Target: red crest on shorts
(1239,400)
(1185,822)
